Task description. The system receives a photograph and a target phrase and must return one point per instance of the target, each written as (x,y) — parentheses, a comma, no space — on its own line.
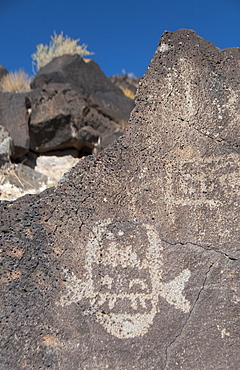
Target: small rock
(6,146)
(54,167)
(14,116)
(17,180)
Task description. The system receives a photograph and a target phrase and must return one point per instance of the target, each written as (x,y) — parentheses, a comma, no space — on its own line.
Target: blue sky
(123,34)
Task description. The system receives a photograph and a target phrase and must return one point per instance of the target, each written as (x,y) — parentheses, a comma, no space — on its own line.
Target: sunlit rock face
(132,261)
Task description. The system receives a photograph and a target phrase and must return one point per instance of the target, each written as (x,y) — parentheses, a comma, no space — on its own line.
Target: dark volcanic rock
(71,94)
(3,71)
(90,81)
(59,116)
(14,116)
(72,69)
(132,261)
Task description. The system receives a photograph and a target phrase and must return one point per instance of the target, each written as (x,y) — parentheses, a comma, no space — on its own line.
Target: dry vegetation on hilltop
(59,45)
(15,82)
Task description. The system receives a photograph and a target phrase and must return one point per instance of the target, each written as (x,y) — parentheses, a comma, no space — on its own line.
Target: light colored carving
(131,281)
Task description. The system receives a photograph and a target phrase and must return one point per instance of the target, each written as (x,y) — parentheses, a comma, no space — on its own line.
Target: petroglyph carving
(123,278)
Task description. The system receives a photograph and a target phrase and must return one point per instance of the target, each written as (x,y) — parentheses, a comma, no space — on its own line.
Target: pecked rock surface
(132,261)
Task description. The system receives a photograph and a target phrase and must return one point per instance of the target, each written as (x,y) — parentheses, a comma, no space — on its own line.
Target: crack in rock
(188,317)
(206,248)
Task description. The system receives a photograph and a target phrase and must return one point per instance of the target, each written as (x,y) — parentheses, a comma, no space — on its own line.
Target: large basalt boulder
(73,69)
(72,97)
(63,118)
(14,116)
(72,105)
(132,261)
(56,118)
(90,81)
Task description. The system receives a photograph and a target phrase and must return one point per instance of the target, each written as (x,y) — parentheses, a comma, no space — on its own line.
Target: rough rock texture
(6,147)
(90,81)
(72,105)
(132,261)
(63,118)
(14,116)
(74,70)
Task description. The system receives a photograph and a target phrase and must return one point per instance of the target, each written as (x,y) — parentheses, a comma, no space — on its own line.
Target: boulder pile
(72,107)
(132,260)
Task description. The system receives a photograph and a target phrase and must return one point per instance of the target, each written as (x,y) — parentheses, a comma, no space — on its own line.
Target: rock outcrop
(132,261)
(73,106)
(68,121)
(75,94)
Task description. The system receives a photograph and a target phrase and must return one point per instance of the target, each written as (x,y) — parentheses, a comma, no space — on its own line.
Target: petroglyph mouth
(125,326)
(123,279)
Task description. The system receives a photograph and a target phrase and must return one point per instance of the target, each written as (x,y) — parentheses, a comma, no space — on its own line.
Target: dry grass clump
(127,92)
(15,82)
(59,45)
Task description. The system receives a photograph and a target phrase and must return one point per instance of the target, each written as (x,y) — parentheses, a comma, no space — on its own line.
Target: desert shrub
(59,45)
(15,82)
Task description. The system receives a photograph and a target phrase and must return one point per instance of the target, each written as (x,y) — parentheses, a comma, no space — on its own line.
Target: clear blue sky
(123,34)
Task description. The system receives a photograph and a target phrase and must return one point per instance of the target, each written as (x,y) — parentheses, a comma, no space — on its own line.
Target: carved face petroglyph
(123,278)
